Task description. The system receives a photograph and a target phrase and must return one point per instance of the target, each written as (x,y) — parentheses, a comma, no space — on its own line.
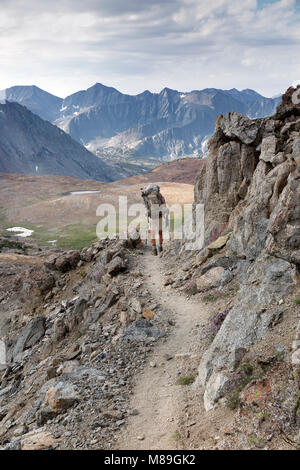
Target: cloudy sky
(66,45)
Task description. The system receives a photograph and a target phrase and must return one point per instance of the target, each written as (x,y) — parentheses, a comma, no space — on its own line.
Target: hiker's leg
(160,234)
(153,241)
(152,238)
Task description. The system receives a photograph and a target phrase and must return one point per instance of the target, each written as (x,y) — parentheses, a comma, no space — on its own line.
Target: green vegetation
(191,289)
(221,295)
(297,300)
(237,383)
(6,243)
(74,236)
(188,380)
(215,297)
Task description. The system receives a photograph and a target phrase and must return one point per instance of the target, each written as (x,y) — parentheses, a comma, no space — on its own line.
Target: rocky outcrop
(250,186)
(34,284)
(63,262)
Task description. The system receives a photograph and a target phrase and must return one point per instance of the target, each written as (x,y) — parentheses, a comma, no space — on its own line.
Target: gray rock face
(254,172)
(29,336)
(235,125)
(246,323)
(268,148)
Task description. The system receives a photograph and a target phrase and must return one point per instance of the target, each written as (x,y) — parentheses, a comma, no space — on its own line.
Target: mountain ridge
(164,125)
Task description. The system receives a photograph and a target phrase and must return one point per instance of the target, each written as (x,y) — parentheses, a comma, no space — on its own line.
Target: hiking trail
(157,398)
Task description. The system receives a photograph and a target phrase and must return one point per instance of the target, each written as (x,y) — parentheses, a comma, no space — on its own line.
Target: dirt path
(24,259)
(156,397)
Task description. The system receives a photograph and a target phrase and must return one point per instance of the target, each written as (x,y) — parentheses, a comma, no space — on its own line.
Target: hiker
(156,208)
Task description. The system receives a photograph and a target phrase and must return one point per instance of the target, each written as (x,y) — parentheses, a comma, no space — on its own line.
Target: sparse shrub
(233,400)
(219,295)
(237,383)
(188,380)
(297,300)
(12,244)
(216,322)
(191,288)
(210,298)
(263,416)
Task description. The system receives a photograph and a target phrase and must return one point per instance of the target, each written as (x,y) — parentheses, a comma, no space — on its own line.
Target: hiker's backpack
(152,197)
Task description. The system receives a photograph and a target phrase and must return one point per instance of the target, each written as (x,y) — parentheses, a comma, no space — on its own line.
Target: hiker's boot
(160,248)
(154,250)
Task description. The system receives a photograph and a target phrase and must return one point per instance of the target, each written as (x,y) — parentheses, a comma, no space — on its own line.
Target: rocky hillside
(163,125)
(75,328)
(30,145)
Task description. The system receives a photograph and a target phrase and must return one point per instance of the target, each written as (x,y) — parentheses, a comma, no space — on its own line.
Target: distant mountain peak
(29,144)
(99,85)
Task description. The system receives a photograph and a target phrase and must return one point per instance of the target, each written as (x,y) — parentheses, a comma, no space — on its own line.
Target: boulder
(134,239)
(61,397)
(44,415)
(136,305)
(148,314)
(110,299)
(142,329)
(75,314)
(115,266)
(38,440)
(226,277)
(219,243)
(225,262)
(235,125)
(34,283)
(67,261)
(210,279)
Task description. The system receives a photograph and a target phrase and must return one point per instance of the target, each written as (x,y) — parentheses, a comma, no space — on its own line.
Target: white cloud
(65,45)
